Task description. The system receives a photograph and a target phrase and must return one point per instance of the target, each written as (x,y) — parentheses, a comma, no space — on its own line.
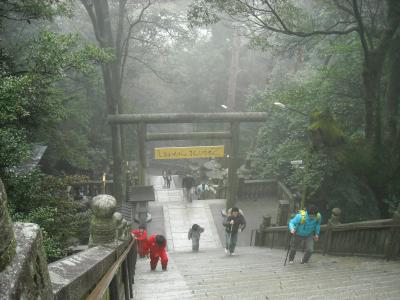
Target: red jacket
(154,249)
(140,236)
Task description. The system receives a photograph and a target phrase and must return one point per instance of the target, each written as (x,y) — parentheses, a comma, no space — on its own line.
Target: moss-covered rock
(7,238)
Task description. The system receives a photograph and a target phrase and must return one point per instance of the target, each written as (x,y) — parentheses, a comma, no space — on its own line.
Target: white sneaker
(226,251)
(233,254)
(291,262)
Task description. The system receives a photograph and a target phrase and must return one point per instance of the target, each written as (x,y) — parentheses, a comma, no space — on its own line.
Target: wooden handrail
(341,227)
(105,281)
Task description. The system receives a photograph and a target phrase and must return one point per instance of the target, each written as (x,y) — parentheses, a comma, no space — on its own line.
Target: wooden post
(125,279)
(130,273)
(233,166)
(333,221)
(113,289)
(141,132)
(117,164)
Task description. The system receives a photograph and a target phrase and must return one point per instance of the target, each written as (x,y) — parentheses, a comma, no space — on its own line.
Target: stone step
(258,273)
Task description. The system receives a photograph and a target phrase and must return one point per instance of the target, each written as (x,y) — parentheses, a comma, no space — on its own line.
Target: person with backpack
(194,234)
(233,223)
(305,226)
(156,247)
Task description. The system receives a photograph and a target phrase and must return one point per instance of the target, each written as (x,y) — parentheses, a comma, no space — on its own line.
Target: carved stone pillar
(335,217)
(102,225)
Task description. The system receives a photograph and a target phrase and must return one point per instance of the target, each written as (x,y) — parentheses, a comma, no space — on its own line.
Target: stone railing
(377,238)
(106,269)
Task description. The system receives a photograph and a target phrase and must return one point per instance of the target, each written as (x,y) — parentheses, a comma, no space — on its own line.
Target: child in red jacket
(156,245)
(141,237)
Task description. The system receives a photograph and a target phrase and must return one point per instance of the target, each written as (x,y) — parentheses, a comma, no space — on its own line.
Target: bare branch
(125,44)
(286,30)
(343,7)
(361,31)
(154,71)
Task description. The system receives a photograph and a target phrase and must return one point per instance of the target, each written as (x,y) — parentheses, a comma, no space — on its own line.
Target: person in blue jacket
(305,226)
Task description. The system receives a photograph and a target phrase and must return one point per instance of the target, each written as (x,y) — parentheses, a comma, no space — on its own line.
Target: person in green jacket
(305,226)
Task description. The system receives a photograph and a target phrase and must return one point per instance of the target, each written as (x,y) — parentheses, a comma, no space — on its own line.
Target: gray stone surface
(7,238)
(258,273)
(75,276)
(180,215)
(26,277)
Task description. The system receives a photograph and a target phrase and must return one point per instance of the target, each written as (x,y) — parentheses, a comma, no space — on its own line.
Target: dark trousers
(296,244)
(195,244)
(231,240)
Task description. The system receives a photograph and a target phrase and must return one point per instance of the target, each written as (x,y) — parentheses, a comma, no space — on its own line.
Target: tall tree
(116,39)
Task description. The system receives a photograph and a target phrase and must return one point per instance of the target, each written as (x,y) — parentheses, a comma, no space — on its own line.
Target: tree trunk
(111,78)
(233,73)
(393,95)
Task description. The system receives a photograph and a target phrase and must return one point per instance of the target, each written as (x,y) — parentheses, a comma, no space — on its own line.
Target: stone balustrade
(26,275)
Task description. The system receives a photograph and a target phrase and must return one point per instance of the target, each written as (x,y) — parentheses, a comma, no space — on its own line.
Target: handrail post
(130,273)
(392,238)
(125,279)
(114,295)
(333,221)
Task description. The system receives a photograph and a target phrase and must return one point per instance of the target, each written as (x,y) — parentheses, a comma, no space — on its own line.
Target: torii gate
(233,118)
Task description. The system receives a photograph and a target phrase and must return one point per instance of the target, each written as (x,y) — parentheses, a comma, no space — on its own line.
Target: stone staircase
(258,273)
(255,273)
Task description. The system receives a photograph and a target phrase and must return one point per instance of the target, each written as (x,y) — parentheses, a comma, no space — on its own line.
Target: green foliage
(28,10)
(33,99)
(42,199)
(13,147)
(337,152)
(324,131)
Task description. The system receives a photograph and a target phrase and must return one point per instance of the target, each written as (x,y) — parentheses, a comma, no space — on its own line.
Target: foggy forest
(326,73)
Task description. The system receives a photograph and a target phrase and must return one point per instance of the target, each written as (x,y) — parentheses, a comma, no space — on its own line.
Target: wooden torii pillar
(234,118)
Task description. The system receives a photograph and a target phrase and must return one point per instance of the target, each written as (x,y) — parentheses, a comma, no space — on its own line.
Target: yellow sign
(189,152)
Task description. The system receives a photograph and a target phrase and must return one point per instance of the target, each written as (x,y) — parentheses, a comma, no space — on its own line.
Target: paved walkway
(180,215)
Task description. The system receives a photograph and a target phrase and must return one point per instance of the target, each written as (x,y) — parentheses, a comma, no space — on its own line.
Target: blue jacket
(310,226)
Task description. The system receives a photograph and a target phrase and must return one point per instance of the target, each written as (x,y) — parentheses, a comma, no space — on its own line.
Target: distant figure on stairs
(188,183)
(234,223)
(194,234)
(169,179)
(305,226)
(141,237)
(164,176)
(156,247)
